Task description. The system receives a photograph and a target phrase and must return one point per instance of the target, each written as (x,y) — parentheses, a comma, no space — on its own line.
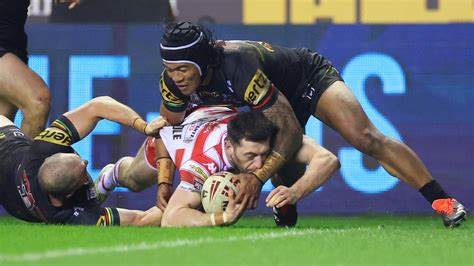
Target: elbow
(97,104)
(333,161)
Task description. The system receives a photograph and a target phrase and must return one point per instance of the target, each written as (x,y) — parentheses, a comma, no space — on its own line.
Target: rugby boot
(452,212)
(101,196)
(285,216)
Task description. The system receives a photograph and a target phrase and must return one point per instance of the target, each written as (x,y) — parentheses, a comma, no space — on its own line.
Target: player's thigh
(140,170)
(340,109)
(19,84)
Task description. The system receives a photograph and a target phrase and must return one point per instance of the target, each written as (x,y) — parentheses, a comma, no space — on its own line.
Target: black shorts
(20,53)
(13,145)
(316,84)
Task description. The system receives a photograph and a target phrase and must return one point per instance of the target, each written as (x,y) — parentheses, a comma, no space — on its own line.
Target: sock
(433,191)
(109,179)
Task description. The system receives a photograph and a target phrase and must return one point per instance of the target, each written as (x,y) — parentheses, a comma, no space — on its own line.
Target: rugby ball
(215,192)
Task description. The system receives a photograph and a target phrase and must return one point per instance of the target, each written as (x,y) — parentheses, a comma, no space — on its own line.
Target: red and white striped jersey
(197,145)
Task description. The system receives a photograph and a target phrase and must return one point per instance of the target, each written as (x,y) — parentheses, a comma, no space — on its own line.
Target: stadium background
(410,63)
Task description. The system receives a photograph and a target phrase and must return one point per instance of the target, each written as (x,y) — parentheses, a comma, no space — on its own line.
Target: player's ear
(229,147)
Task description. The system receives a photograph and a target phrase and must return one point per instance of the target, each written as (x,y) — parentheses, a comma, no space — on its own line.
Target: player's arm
(174,118)
(151,217)
(182,211)
(321,164)
(85,117)
(173,102)
(165,174)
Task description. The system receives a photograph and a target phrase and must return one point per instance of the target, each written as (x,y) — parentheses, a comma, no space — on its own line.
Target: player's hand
(153,128)
(163,195)
(281,196)
(234,210)
(249,188)
(72,3)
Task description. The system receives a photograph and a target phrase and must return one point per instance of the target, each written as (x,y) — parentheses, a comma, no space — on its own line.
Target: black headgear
(185,42)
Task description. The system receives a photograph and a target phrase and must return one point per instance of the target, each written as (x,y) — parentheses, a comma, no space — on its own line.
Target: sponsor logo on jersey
(168,96)
(199,171)
(55,135)
(257,88)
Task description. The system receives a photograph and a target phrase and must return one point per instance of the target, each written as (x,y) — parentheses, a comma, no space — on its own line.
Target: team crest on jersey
(267,46)
(55,135)
(2,135)
(167,95)
(257,88)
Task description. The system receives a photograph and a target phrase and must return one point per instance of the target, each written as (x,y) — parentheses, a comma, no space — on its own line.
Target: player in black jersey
(289,85)
(44,180)
(20,87)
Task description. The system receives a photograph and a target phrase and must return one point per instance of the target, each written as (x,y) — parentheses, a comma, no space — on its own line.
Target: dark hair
(253,126)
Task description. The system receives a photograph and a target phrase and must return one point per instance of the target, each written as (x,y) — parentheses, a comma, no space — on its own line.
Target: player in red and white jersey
(212,140)
(196,147)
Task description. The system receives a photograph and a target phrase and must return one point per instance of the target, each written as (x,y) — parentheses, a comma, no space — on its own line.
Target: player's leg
(133,173)
(136,174)
(339,109)
(24,89)
(7,109)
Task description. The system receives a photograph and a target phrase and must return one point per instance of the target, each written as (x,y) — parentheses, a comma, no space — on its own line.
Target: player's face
(80,168)
(184,75)
(248,156)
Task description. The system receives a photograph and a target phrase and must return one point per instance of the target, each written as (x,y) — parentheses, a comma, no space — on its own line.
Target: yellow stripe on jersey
(257,88)
(168,97)
(56,136)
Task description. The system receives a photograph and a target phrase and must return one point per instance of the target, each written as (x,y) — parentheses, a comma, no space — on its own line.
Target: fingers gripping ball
(215,192)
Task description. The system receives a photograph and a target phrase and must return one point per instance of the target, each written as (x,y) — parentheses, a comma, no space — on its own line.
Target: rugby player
(288,85)
(44,180)
(214,139)
(20,87)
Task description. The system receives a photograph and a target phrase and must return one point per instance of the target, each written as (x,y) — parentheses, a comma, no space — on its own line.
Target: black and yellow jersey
(22,195)
(250,73)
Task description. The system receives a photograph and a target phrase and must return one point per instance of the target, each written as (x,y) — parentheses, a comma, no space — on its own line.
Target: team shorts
(150,153)
(316,84)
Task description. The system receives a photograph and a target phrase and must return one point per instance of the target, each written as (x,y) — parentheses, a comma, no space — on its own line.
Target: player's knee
(37,105)
(369,141)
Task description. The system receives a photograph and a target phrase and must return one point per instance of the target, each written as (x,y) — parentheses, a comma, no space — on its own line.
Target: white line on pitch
(60,253)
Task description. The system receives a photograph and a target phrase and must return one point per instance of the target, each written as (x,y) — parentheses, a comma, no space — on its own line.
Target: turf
(317,240)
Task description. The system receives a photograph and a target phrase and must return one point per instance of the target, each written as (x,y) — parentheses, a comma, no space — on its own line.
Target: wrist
(273,162)
(139,124)
(219,219)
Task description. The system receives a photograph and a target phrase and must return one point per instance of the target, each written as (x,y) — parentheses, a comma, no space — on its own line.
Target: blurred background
(409,62)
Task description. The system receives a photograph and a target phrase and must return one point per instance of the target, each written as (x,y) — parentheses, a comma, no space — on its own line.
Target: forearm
(186,217)
(108,108)
(174,118)
(319,170)
(85,117)
(287,140)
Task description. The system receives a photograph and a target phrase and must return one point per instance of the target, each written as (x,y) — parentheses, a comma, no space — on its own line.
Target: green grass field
(317,240)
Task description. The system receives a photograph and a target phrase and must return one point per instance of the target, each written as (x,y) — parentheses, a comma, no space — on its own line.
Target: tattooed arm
(287,141)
